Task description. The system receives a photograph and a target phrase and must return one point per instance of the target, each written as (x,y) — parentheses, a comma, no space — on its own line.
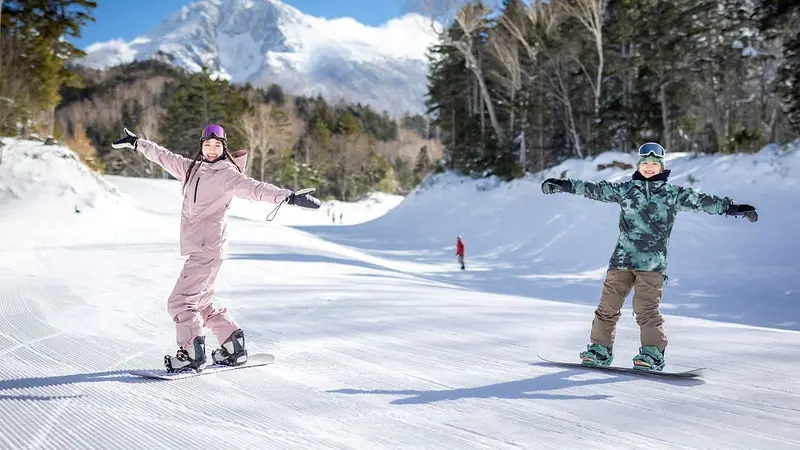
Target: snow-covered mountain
(268,41)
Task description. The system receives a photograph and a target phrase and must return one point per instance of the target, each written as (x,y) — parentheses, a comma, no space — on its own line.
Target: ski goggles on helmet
(651,148)
(213,132)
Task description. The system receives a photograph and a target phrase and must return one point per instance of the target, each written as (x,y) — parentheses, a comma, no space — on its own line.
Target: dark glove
(555,185)
(303,199)
(736,209)
(129,141)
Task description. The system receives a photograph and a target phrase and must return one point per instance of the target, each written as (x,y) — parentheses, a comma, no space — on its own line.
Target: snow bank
(50,177)
(522,242)
(164,197)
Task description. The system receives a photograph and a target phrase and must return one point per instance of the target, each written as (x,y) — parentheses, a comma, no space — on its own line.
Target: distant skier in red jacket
(460,251)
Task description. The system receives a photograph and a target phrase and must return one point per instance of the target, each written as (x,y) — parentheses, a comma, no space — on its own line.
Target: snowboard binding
(186,360)
(232,351)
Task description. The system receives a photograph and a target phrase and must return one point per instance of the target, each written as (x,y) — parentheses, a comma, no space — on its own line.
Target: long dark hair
(199,155)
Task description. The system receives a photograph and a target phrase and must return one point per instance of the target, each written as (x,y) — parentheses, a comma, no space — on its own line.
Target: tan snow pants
(648,288)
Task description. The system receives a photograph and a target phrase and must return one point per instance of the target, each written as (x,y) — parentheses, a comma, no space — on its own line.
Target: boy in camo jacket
(648,206)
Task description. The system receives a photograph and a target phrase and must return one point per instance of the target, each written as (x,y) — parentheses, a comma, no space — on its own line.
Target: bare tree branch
(536,33)
(591,14)
(267,132)
(506,50)
(470,18)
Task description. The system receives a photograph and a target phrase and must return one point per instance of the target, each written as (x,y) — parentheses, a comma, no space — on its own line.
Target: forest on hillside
(344,150)
(524,86)
(512,88)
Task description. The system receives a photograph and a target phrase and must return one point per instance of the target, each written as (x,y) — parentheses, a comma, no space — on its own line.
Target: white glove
(129,141)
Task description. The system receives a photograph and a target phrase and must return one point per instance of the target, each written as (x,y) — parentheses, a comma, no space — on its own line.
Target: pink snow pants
(190,304)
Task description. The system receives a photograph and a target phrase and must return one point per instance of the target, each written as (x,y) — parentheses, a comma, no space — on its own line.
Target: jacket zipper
(196,184)
(647,193)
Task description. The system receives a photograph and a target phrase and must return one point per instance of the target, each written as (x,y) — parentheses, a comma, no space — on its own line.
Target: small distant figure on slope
(460,251)
(210,181)
(649,205)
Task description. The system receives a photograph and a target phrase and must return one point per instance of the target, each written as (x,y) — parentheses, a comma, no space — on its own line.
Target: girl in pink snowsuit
(210,181)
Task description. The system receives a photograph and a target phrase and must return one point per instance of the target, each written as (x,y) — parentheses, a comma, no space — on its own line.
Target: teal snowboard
(254,360)
(691,373)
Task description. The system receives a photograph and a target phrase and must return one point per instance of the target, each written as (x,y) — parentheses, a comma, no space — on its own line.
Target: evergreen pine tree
(780,20)
(196,103)
(39,28)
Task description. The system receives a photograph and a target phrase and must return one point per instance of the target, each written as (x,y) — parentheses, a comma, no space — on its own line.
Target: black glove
(555,185)
(129,141)
(303,199)
(736,209)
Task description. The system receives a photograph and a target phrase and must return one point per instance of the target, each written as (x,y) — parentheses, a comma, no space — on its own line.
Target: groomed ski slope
(376,348)
(522,242)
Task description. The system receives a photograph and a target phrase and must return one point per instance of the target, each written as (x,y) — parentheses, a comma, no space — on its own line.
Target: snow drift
(522,242)
(50,177)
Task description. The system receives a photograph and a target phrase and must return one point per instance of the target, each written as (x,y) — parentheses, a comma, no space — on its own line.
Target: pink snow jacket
(204,225)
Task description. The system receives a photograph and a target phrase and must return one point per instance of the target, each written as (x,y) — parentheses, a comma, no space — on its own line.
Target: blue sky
(127,19)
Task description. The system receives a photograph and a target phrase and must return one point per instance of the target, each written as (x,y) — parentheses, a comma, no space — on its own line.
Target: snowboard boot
(649,358)
(232,351)
(189,359)
(597,355)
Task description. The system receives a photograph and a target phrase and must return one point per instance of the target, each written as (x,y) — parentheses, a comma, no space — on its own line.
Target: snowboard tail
(691,373)
(253,360)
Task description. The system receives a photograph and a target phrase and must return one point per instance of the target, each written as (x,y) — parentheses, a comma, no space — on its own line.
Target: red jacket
(460,248)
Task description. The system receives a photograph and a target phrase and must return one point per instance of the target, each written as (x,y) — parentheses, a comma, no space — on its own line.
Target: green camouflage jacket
(648,209)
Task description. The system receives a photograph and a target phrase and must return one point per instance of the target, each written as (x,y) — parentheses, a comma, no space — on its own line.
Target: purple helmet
(213,131)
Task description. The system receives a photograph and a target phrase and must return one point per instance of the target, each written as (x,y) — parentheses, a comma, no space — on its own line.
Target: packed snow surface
(381,342)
